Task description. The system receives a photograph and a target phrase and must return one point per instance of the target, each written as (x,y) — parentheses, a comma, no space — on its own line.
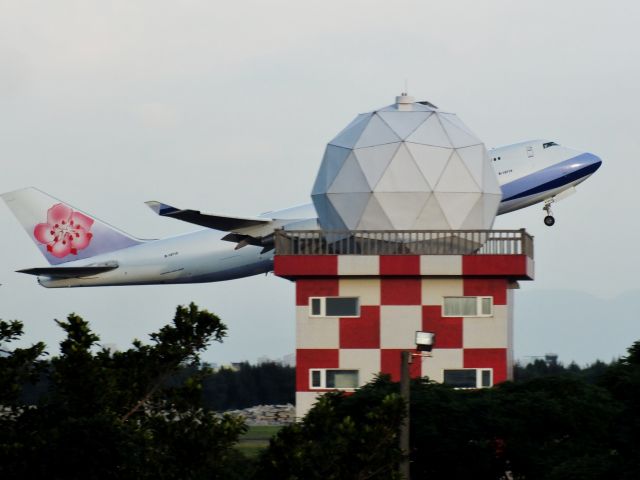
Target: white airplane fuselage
(537,171)
(528,173)
(195,257)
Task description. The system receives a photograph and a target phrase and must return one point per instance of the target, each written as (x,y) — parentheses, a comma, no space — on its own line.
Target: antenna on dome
(404,101)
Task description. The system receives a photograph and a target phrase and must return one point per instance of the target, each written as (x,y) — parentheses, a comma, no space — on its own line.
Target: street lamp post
(424,343)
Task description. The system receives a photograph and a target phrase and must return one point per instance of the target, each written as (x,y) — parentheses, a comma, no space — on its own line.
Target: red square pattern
(448,330)
(361,332)
(501,265)
(399,265)
(307,358)
(495,358)
(305,265)
(495,287)
(390,363)
(400,291)
(317,287)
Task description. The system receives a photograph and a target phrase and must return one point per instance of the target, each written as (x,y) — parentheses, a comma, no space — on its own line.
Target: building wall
(400,295)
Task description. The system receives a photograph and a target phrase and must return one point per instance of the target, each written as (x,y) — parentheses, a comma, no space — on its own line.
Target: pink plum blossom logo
(65,232)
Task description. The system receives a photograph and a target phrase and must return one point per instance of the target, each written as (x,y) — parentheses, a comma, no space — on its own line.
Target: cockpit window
(549,144)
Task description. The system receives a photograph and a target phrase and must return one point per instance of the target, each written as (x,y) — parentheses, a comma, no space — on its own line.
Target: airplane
(83,251)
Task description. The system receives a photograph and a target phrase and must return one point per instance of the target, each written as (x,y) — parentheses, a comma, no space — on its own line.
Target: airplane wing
(69,272)
(243,230)
(217,222)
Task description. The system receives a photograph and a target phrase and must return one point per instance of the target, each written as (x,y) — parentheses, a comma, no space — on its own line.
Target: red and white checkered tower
(406,197)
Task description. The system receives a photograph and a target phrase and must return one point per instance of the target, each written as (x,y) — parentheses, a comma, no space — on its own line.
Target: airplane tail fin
(61,232)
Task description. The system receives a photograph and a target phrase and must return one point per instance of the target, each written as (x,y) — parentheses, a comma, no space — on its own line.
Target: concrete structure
(407,166)
(358,307)
(405,196)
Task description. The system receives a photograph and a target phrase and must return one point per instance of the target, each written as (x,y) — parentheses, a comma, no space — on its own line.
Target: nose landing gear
(549,220)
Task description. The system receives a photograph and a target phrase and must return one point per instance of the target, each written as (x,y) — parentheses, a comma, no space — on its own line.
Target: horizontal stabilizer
(216,222)
(69,272)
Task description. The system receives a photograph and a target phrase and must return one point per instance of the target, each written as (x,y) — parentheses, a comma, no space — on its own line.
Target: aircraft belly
(523,202)
(240,271)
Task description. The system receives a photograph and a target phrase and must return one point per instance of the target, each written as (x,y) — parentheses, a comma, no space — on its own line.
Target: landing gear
(549,220)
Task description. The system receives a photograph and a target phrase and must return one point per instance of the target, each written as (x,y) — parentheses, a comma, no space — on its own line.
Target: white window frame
(323,308)
(478,377)
(478,306)
(323,379)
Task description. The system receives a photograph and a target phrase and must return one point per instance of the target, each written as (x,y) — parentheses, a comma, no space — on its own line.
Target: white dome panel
(474,158)
(350,178)
(374,160)
(350,207)
(433,215)
(459,137)
(332,162)
(348,137)
(402,174)
(491,205)
(456,177)
(402,209)
(456,206)
(404,123)
(481,213)
(406,166)
(475,217)
(331,219)
(430,160)
(376,133)
(430,132)
(455,120)
(490,180)
(373,217)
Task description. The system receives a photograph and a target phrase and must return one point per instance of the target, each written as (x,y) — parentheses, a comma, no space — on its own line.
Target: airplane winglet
(161,208)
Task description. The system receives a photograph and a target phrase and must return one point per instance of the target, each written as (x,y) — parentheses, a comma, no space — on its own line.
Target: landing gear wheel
(549,220)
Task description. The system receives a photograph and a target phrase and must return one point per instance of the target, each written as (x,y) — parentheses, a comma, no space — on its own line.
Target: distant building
(551,359)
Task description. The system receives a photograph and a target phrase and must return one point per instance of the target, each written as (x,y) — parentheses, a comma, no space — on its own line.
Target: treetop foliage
(342,436)
(18,366)
(569,424)
(138,414)
(114,414)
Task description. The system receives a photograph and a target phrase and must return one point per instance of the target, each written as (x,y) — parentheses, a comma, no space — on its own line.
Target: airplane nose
(584,164)
(596,162)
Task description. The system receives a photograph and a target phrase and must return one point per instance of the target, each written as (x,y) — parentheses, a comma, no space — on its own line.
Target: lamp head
(425,341)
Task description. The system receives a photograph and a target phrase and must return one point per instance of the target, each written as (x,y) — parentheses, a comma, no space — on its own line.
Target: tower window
(469,377)
(333,378)
(334,307)
(467,307)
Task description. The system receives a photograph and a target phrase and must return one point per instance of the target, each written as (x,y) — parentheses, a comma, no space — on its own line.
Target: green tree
(268,383)
(117,415)
(17,366)
(623,381)
(342,437)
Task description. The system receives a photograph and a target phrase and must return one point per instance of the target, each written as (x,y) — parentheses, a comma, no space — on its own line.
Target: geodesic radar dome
(407,166)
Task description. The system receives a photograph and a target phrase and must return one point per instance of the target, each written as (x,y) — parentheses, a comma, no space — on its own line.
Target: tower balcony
(468,253)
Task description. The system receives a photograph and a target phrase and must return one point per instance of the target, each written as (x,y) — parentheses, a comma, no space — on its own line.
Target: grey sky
(227,107)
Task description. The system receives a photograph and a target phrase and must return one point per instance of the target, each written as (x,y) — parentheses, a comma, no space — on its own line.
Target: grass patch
(256,439)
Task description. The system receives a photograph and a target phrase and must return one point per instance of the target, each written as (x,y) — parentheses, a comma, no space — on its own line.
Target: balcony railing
(404,242)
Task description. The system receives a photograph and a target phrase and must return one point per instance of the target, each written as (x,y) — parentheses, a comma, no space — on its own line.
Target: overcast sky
(227,107)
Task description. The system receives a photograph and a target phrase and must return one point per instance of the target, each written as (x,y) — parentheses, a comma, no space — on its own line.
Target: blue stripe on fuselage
(551,177)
